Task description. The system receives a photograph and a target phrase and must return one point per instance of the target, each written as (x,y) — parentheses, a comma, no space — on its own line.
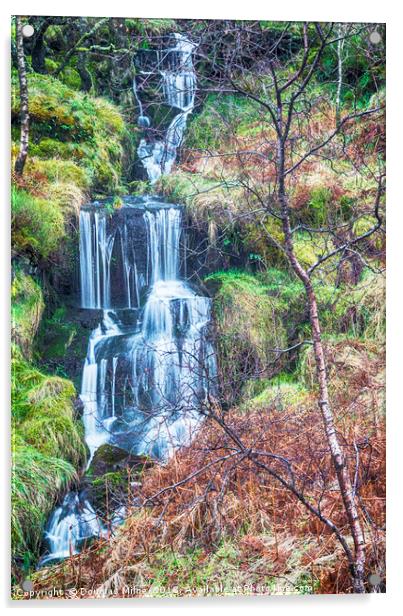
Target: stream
(150,364)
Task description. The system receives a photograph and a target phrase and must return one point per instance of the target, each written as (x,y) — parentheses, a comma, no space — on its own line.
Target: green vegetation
(250,328)
(75,147)
(231,524)
(281,392)
(26,310)
(37,481)
(37,224)
(76,138)
(48,447)
(201,194)
(221,117)
(257,315)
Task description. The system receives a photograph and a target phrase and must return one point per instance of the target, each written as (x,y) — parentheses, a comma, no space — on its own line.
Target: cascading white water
(70,524)
(143,387)
(150,365)
(96,249)
(179,87)
(145,378)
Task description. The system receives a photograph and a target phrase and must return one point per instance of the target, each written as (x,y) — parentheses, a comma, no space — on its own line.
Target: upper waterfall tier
(178,84)
(121,255)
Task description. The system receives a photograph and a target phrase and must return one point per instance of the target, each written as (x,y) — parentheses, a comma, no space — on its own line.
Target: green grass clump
(48,446)
(249,326)
(37,225)
(56,170)
(43,411)
(26,310)
(361,309)
(37,480)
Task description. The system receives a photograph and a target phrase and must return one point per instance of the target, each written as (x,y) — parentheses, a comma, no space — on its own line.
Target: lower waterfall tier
(144,388)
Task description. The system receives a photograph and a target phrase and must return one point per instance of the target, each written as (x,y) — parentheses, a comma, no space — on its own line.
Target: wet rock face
(130,246)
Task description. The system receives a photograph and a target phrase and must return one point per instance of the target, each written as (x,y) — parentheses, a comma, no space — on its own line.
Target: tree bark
(85,75)
(24,111)
(38,50)
(336,452)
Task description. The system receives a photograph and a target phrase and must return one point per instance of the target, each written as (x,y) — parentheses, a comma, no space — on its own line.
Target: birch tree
(24,111)
(284,102)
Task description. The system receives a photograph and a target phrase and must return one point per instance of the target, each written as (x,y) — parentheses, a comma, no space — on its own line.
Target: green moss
(89,129)
(26,310)
(71,78)
(56,170)
(116,479)
(47,447)
(151,26)
(264,239)
(308,249)
(50,65)
(280,392)
(37,224)
(59,338)
(249,325)
(75,147)
(221,117)
(48,147)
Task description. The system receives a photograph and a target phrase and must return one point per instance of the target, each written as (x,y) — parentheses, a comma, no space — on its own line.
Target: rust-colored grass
(233,500)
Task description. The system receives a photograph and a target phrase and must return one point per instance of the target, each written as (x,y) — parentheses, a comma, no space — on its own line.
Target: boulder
(110,459)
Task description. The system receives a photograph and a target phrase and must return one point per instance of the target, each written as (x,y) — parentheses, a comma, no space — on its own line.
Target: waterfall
(95,260)
(143,386)
(150,366)
(178,78)
(69,526)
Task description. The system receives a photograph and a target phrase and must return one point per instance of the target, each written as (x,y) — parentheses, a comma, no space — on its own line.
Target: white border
(342,10)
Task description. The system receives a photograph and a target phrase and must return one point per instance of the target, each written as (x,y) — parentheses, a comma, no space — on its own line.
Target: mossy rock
(113,477)
(109,458)
(62,342)
(65,121)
